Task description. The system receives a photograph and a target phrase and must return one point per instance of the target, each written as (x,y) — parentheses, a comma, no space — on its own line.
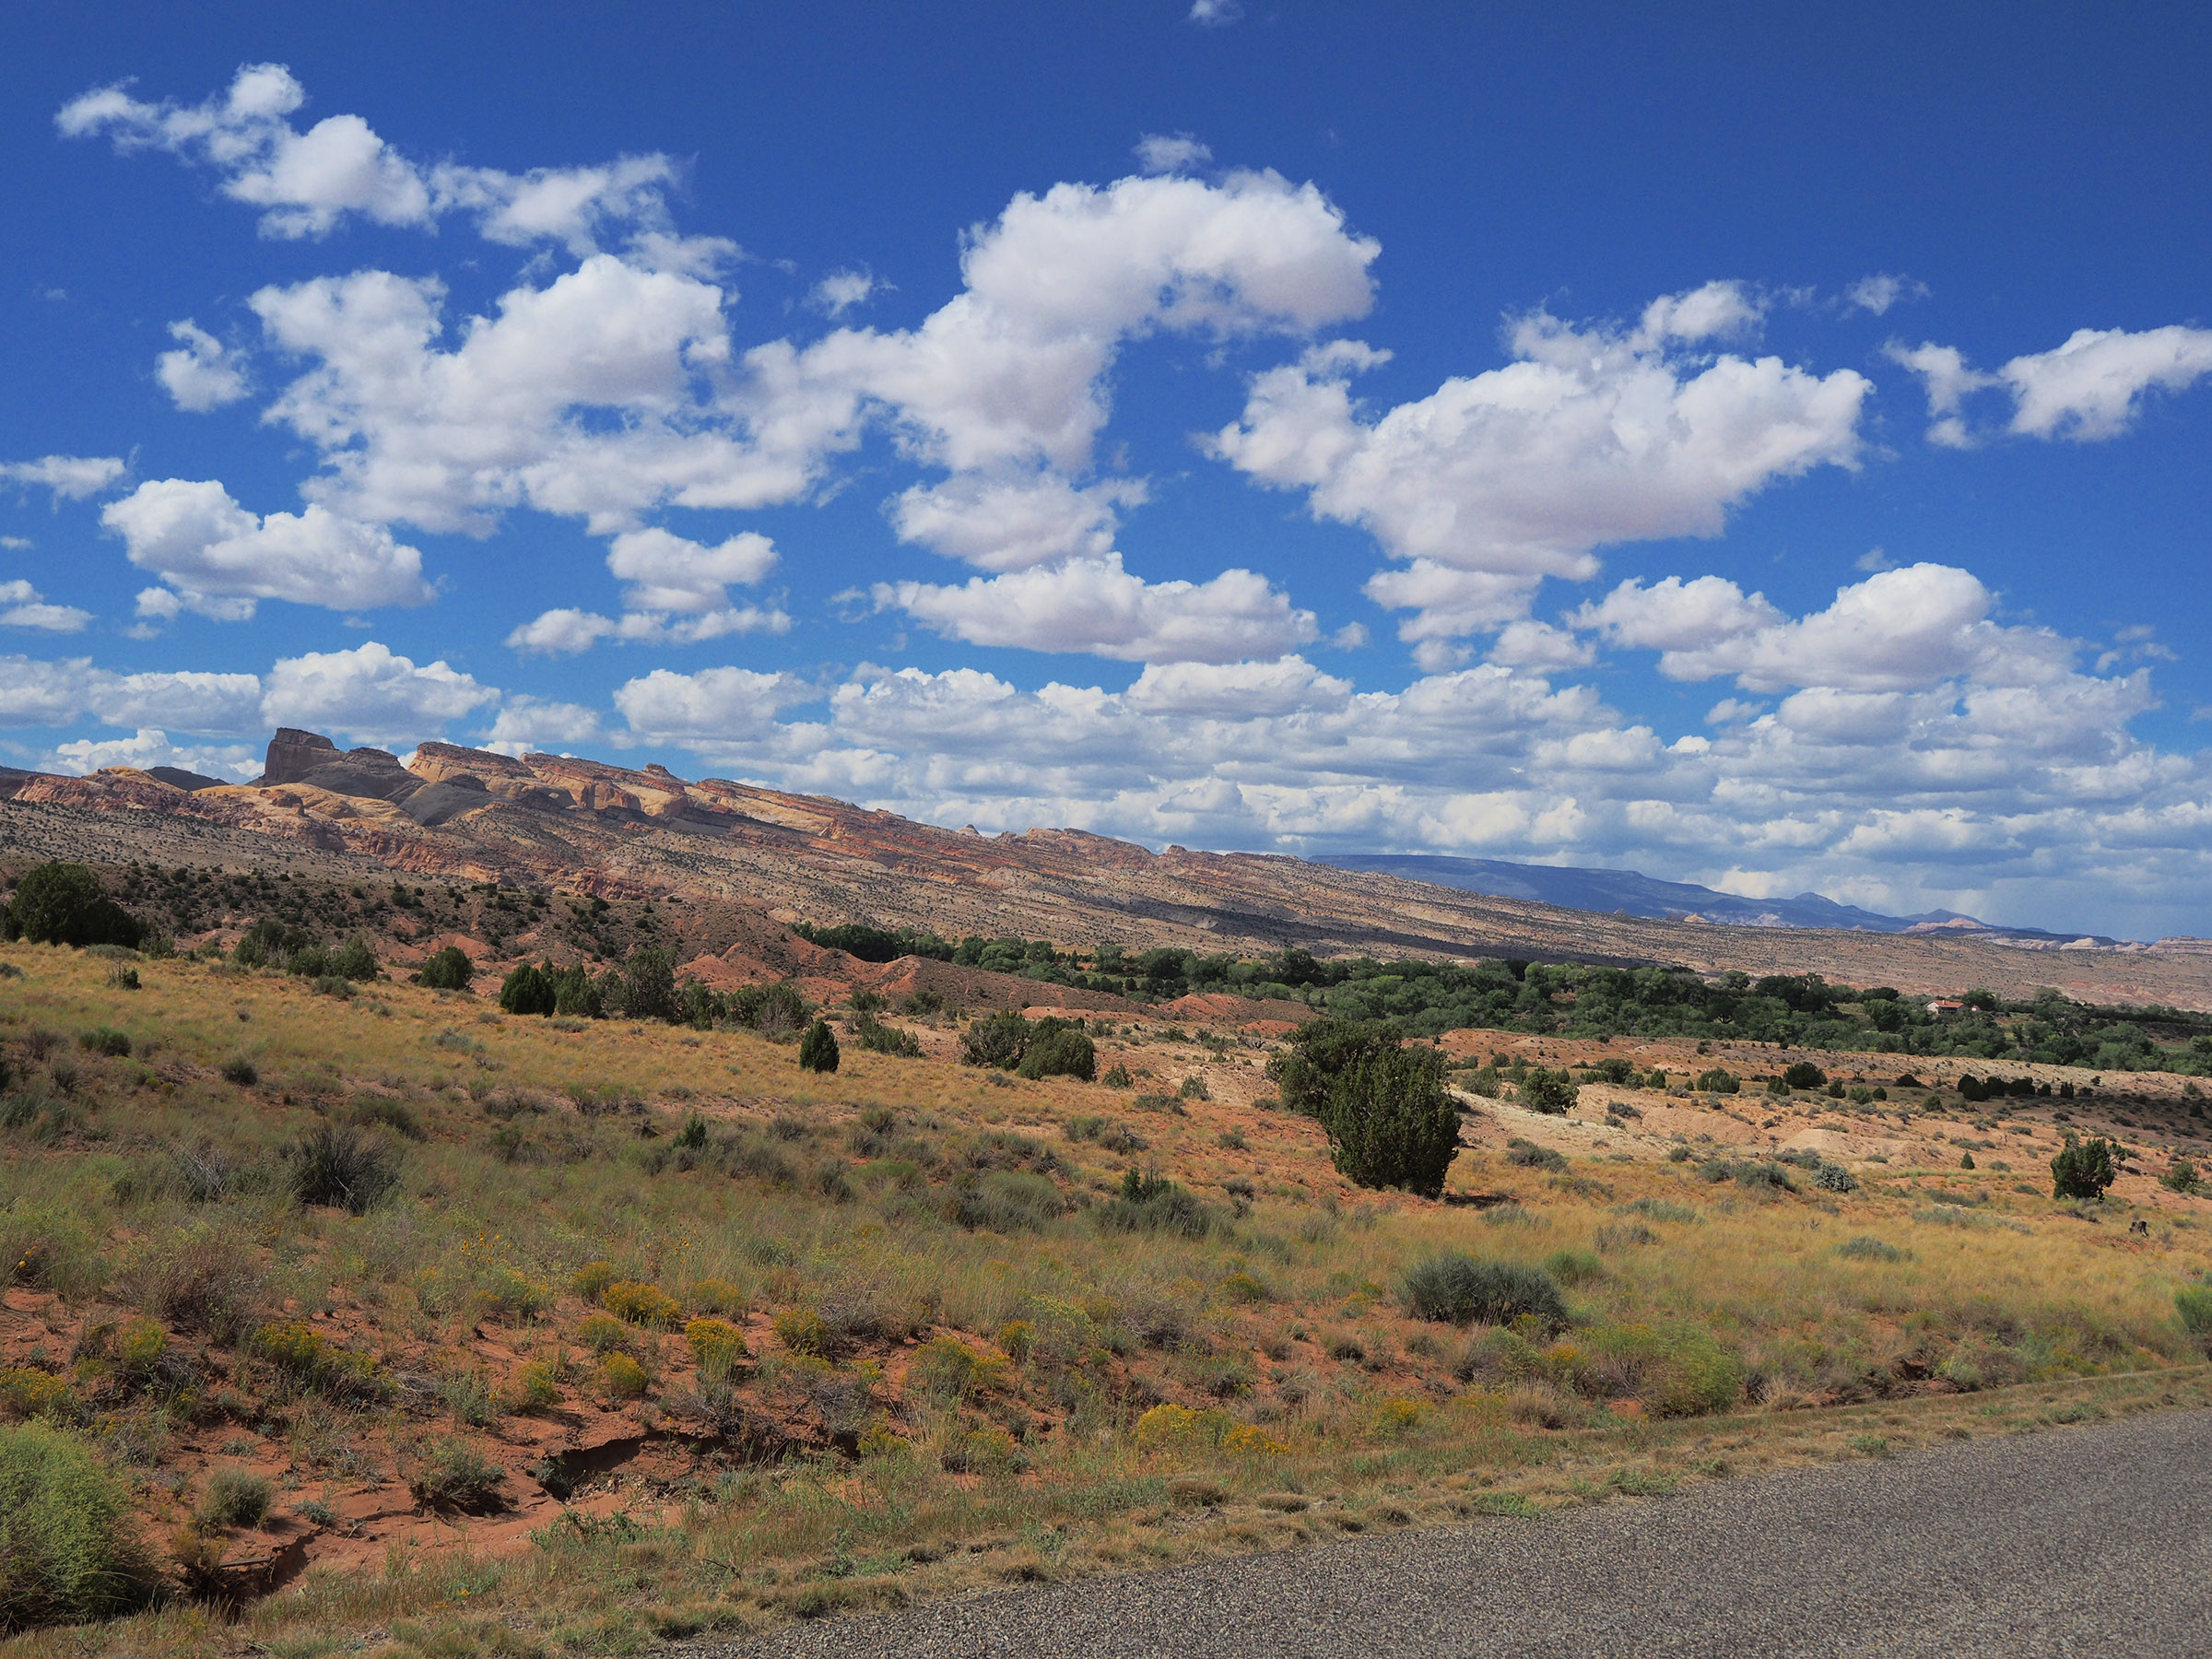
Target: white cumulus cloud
(220,561)
(20,606)
(1095,605)
(69,476)
(148,748)
(1901,629)
(202,373)
(2091,387)
(1590,437)
(370,692)
(308,183)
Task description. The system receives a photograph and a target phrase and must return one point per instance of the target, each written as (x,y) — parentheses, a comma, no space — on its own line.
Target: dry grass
(922,1406)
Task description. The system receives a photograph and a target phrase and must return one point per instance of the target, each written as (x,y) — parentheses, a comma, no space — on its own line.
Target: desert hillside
(584,828)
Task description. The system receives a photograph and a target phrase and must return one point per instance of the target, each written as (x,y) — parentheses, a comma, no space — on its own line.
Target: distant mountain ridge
(1631,893)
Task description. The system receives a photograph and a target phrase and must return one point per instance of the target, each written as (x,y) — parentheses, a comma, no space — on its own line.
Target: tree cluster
(1050,1047)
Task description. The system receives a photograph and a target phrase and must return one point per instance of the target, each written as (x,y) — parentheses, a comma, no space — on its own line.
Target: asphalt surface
(2092,1540)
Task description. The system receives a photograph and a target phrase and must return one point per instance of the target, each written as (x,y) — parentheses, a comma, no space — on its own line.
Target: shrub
(1804,1075)
(948,1370)
(592,1280)
(1456,1289)
(446,970)
(528,990)
(989,1449)
(509,1293)
(575,997)
(354,960)
(818,1049)
(26,1392)
(456,1476)
(1718,1081)
(69,1546)
(1062,1052)
(803,1331)
(1151,1203)
(1553,1093)
(640,1303)
(1868,1249)
(105,1039)
(603,1333)
(535,1388)
(65,905)
(648,986)
(1527,1155)
(2181,1176)
(769,1010)
(1117,1076)
(233,1497)
(2082,1169)
(1178,1427)
(1391,1121)
(999,1040)
(718,1296)
(1004,1201)
(242,1071)
(2194,1304)
(204,1279)
(1574,1267)
(716,1344)
(342,1167)
(620,1377)
(1674,1373)
(880,1039)
(1321,1051)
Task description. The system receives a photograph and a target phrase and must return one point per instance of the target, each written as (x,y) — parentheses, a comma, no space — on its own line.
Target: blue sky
(1758,452)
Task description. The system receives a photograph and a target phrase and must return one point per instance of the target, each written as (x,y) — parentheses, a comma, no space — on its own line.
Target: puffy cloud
(75,477)
(564,632)
(1236,690)
(448,439)
(1589,437)
(716,706)
(202,373)
(1216,14)
(666,572)
(1011,523)
(1170,152)
(34,693)
(2091,387)
(1527,644)
(369,692)
(1877,293)
(308,183)
(218,560)
(1093,605)
(208,705)
(43,694)
(676,592)
(614,389)
(150,747)
(842,290)
(20,606)
(1901,629)
(527,724)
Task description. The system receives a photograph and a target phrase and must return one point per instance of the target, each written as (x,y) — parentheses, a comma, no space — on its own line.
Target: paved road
(2092,1541)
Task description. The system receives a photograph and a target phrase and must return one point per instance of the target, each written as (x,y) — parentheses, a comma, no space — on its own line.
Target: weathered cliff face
(293,754)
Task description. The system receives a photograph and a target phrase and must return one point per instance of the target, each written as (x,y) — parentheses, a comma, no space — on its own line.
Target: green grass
(69,1548)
